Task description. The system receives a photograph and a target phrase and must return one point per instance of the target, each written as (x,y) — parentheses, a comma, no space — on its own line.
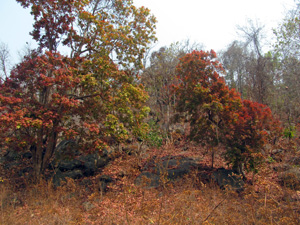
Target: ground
(188,200)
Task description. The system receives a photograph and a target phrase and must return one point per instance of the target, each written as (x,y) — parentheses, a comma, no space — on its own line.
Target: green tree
(90,95)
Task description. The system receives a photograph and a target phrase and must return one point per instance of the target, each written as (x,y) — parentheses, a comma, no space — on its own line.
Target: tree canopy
(90,95)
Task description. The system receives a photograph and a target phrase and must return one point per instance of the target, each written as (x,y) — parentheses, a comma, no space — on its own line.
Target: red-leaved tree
(90,95)
(204,97)
(218,115)
(247,135)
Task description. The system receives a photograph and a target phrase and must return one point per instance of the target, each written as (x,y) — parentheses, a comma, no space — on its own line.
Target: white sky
(212,23)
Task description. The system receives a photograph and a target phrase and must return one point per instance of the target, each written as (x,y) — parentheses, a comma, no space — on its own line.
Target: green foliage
(289,132)
(271,160)
(88,95)
(154,137)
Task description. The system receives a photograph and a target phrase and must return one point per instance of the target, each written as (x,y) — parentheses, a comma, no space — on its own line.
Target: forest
(114,132)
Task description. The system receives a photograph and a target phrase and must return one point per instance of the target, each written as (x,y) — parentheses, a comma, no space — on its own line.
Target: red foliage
(248,133)
(52,21)
(218,115)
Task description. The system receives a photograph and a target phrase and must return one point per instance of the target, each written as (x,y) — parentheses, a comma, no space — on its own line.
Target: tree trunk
(42,154)
(212,157)
(37,154)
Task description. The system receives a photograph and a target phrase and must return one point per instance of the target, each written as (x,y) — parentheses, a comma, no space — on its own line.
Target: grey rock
(69,165)
(103,182)
(88,206)
(228,179)
(170,167)
(12,156)
(291,178)
(148,180)
(68,158)
(61,176)
(27,155)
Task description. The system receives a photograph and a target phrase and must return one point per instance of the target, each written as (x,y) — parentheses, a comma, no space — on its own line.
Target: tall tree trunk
(42,154)
(37,154)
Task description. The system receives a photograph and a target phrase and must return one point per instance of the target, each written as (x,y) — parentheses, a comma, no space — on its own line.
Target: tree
(287,52)
(4,61)
(160,76)
(218,115)
(248,69)
(246,135)
(90,95)
(234,61)
(204,96)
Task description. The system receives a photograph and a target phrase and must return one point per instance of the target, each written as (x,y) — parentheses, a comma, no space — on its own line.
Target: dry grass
(185,201)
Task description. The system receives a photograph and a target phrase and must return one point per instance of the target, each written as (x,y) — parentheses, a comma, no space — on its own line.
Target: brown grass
(185,201)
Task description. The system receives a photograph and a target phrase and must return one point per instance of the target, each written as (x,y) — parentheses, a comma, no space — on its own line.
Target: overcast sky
(212,23)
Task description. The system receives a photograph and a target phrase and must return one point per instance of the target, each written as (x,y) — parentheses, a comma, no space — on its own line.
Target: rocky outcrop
(171,168)
(290,178)
(81,166)
(228,179)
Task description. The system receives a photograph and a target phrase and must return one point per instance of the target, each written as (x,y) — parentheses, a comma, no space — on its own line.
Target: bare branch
(4,60)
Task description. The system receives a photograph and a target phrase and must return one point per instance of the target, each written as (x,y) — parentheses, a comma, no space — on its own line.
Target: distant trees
(159,78)
(4,62)
(287,50)
(248,69)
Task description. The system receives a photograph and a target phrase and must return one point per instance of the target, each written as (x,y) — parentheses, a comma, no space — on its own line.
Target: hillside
(190,199)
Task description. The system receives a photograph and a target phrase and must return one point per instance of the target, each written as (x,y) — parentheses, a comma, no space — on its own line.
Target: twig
(160,209)
(213,210)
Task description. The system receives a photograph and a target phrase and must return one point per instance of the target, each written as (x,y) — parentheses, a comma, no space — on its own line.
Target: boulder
(148,180)
(11,156)
(228,179)
(290,178)
(61,176)
(169,167)
(103,182)
(87,206)
(70,162)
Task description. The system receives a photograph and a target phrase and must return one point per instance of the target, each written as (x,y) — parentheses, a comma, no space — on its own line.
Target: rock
(88,206)
(70,162)
(295,161)
(175,167)
(66,151)
(276,154)
(12,156)
(61,176)
(69,165)
(91,162)
(282,167)
(27,155)
(103,181)
(86,182)
(228,179)
(291,178)
(11,165)
(171,167)
(148,180)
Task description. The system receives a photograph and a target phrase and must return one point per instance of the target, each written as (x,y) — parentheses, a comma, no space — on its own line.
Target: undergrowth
(189,200)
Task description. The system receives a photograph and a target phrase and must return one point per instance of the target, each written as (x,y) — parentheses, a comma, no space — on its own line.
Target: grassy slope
(186,201)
